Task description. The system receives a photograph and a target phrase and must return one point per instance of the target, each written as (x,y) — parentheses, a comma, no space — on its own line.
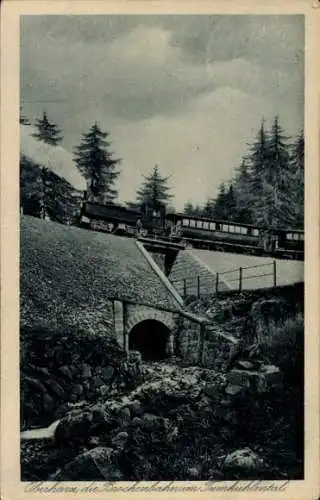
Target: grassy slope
(67,270)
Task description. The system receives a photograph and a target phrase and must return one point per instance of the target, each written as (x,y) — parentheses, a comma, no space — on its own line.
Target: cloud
(163,84)
(144,46)
(199,148)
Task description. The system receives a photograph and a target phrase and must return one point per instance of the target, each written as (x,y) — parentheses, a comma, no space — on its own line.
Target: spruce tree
(96,164)
(208,209)
(258,190)
(219,208)
(188,208)
(197,211)
(230,204)
(47,131)
(155,190)
(242,194)
(278,180)
(297,185)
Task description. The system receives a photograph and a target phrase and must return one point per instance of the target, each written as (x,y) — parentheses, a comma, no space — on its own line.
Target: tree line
(267,188)
(46,195)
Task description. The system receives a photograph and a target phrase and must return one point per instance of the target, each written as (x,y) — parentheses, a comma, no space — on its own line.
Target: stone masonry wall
(189,268)
(208,348)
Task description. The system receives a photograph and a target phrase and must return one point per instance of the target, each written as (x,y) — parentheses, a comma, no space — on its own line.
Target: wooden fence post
(274,273)
(217,282)
(198,286)
(240,279)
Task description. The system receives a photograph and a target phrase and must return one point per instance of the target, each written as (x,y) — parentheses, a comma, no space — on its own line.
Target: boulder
(149,421)
(271,373)
(135,407)
(123,415)
(243,459)
(243,378)
(97,464)
(76,389)
(55,388)
(104,390)
(107,373)
(97,382)
(233,390)
(194,473)
(100,414)
(120,440)
(85,371)
(210,390)
(66,372)
(74,427)
(247,365)
(35,384)
(48,403)
(62,410)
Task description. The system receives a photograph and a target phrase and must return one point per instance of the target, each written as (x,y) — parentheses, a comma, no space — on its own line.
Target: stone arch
(150,331)
(138,314)
(151,338)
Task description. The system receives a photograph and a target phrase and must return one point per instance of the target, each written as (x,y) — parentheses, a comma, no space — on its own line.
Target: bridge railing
(233,279)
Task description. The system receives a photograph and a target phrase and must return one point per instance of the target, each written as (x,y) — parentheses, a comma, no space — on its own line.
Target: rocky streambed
(179,423)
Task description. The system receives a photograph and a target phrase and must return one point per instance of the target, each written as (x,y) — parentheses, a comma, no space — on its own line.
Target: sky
(184,92)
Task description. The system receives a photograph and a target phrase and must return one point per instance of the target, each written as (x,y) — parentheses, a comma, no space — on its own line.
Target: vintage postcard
(160,249)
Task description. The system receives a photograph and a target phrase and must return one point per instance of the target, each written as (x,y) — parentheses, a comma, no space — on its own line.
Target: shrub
(283,345)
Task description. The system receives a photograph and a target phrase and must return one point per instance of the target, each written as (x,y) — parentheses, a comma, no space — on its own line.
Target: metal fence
(234,279)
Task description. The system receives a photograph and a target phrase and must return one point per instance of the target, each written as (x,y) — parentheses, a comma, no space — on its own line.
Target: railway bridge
(115,285)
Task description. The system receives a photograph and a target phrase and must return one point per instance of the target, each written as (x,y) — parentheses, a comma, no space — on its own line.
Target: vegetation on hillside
(268,186)
(45,195)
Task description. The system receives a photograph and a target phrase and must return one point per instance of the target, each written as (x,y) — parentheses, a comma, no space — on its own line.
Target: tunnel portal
(150,338)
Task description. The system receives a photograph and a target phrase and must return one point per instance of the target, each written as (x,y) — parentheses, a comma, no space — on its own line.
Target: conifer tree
(197,210)
(230,204)
(257,170)
(243,208)
(297,186)
(219,208)
(47,131)
(278,180)
(188,208)
(95,162)
(208,209)
(154,191)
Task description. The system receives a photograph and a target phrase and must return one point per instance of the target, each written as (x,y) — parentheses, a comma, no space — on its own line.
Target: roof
(77,269)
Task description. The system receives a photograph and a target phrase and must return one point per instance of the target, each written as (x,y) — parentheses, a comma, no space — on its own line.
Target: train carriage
(204,232)
(200,232)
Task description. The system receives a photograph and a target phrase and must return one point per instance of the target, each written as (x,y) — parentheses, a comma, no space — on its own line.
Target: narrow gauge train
(120,220)
(207,233)
(199,232)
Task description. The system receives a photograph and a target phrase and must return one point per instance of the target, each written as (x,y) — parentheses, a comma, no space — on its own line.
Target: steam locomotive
(198,232)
